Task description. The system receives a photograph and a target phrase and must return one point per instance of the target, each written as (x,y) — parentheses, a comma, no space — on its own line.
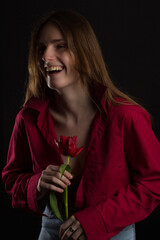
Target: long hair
(83,44)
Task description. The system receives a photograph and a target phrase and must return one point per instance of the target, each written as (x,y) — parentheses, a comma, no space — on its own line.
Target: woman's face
(56,57)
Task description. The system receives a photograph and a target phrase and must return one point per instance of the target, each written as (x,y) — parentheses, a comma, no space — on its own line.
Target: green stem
(68,159)
(66,193)
(66,202)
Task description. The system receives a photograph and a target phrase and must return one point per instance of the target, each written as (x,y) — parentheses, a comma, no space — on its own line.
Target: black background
(128,32)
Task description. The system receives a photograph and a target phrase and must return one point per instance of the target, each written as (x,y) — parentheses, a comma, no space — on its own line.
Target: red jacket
(121,180)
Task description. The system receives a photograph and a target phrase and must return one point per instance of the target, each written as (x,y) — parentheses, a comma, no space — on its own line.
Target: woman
(116,179)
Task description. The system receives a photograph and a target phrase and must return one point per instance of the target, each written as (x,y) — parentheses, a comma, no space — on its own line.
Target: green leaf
(54,206)
(65,167)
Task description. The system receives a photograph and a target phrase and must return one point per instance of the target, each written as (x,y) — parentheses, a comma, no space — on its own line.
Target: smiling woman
(82,44)
(116,179)
(57,66)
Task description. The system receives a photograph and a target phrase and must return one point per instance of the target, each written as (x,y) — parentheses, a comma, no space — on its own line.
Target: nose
(49,54)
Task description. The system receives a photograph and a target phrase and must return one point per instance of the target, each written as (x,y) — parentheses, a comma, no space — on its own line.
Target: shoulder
(128,113)
(31,109)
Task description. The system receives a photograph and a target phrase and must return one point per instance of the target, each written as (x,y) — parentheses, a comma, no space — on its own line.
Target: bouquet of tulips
(67,147)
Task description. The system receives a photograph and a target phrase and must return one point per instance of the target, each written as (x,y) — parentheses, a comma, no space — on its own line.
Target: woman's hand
(72,229)
(51,180)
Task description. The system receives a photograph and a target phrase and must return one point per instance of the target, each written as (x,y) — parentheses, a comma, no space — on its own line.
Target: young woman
(116,179)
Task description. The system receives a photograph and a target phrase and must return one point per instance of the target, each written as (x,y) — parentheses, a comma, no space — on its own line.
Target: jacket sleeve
(137,200)
(17,175)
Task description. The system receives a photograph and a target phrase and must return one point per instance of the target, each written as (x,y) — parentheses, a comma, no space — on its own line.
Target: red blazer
(121,180)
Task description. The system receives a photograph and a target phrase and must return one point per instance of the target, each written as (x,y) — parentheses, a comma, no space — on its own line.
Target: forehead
(50,32)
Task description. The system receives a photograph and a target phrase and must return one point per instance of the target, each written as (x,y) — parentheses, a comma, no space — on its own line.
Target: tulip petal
(78,151)
(67,146)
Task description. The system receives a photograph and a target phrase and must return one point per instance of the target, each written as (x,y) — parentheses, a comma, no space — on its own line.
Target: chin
(58,84)
(53,84)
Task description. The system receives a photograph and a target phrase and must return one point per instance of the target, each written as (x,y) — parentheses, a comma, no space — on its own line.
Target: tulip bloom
(67,147)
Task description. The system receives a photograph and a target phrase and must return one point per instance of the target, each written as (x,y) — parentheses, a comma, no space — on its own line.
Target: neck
(72,103)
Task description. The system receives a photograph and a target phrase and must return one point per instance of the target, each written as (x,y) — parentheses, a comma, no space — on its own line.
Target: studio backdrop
(128,32)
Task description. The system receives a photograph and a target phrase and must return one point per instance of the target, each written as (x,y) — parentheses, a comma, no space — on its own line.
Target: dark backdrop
(128,32)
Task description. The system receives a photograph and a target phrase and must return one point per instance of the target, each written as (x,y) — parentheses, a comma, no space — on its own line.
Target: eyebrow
(57,40)
(54,41)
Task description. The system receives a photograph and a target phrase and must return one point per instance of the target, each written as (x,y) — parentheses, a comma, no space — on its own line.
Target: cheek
(70,65)
(74,73)
(69,59)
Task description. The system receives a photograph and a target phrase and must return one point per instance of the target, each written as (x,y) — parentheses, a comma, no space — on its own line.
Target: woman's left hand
(72,229)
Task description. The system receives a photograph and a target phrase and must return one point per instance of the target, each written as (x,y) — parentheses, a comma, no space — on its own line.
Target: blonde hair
(83,44)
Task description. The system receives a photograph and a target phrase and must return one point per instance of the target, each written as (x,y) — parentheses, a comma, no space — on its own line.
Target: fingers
(66,225)
(53,168)
(55,179)
(72,229)
(47,184)
(52,180)
(54,183)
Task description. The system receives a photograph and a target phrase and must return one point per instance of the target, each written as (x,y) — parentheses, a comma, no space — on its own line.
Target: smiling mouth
(54,69)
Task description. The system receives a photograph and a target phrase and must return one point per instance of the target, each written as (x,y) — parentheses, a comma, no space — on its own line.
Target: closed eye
(59,46)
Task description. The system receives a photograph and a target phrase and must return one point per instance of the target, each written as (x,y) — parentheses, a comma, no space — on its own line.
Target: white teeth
(54,68)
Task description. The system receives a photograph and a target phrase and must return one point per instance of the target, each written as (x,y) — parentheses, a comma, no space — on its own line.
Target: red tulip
(67,146)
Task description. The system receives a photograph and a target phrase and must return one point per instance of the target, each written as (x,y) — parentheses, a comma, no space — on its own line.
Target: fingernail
(70,176)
